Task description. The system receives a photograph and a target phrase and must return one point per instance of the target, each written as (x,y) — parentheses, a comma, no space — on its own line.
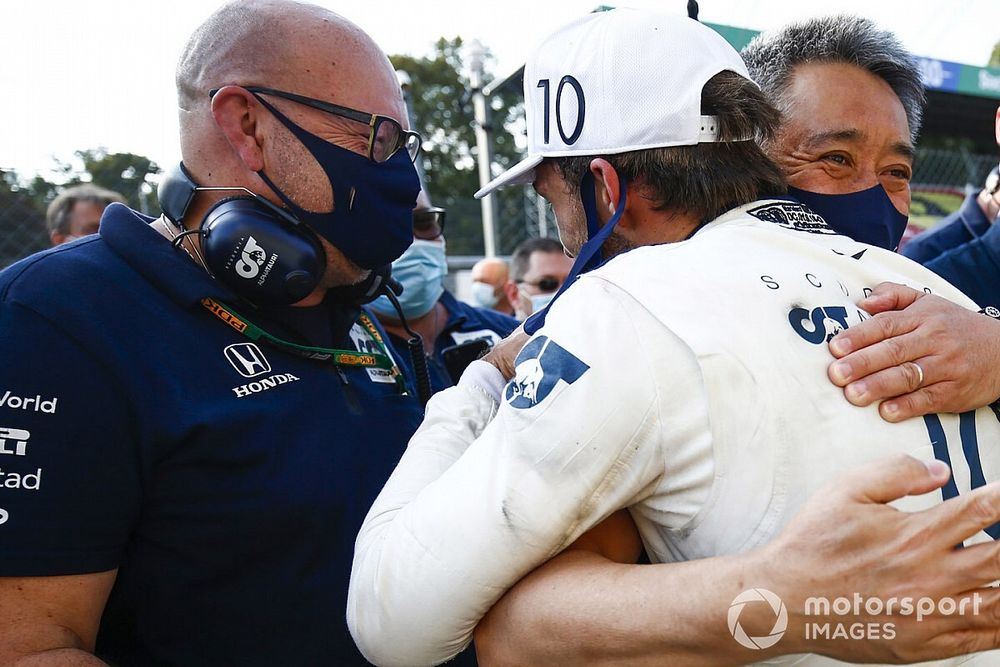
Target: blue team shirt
(226,481)
(964,249)
(465,323)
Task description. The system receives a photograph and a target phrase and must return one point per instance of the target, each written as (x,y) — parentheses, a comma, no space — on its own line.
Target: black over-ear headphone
(257,249)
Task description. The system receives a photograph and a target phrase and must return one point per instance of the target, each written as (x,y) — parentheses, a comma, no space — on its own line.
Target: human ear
(607,187)
(237,112)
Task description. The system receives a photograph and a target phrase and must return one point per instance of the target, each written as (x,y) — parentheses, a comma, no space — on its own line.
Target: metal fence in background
(521,215)
(22,227)
(941,179)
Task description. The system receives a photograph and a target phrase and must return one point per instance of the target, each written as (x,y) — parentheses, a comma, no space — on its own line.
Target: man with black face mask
(842,158)
(190,436)
(851,100)
(453,333)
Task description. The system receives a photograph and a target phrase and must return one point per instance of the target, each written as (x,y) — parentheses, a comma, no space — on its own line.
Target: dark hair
(57,215)
(771,58)
(707,179)
(522,255)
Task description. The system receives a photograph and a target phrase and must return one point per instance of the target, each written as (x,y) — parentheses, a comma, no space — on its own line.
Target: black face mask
(372,219)
(867,216)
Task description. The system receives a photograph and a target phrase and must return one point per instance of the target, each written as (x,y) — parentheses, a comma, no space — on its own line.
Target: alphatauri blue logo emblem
(538,368)
(819,325)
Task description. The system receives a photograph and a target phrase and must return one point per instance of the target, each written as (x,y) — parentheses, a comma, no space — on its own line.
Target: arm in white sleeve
(575,438)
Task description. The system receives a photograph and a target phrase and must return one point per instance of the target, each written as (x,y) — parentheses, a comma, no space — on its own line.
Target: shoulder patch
(538,368)
(792,216)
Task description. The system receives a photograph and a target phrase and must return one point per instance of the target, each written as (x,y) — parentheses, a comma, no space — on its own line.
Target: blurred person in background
(489,276)
(538,268)
(453,333)
(77,211)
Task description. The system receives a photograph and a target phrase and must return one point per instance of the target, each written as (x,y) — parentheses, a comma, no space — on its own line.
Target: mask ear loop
(590,256)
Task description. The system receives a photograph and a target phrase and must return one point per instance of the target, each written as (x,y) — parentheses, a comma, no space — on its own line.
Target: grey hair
(771,58)
(57,215)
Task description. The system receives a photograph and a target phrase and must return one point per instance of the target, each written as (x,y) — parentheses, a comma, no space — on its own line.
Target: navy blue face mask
(590,256)
(372,217)
(867,216)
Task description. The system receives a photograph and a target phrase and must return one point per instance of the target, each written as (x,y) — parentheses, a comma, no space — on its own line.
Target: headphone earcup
(259,256)
(175,192)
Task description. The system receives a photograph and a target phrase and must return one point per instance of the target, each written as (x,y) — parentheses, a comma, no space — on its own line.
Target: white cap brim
(521,173)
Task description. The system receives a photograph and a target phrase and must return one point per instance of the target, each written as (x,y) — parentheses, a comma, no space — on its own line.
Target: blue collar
(131,237)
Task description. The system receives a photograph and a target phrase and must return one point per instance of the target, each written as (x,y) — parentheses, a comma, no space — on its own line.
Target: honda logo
(247,359)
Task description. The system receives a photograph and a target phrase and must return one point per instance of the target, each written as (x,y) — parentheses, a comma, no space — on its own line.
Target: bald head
(276,43)
(291,46)
(490,270)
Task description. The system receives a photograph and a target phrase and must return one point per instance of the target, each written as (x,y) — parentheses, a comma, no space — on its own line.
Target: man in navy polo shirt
(193,423)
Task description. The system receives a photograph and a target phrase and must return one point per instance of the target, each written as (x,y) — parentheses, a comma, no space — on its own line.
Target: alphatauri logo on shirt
(538,368)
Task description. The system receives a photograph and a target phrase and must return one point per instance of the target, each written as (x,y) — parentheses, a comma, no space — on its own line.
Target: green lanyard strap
(337,357)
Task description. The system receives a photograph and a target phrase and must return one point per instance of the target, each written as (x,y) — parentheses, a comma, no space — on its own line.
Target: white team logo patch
(539,367)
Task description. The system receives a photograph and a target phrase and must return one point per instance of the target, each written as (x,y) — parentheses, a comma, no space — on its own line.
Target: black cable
(415,345)
(180,237)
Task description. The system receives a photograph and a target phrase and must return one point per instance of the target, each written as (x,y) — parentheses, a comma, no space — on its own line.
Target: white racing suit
(686,382)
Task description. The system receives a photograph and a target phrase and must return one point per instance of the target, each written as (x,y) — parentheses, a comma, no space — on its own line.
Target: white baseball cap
(618,81)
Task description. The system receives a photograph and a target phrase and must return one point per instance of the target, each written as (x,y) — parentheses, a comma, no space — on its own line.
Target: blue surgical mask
(421,271)
(483,295)
(867,216)
(372,218)
(539,301)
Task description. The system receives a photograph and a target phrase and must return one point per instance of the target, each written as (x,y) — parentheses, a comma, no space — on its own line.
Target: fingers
(889,296)
(916,404)
(888,381)
(974,627)
(974,566)
(963,642)
(882,328)
(958,519)
(892,478)
(503,354)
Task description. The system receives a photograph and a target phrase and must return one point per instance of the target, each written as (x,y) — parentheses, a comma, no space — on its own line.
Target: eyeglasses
(386,135)
(428,223)
(546,284)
